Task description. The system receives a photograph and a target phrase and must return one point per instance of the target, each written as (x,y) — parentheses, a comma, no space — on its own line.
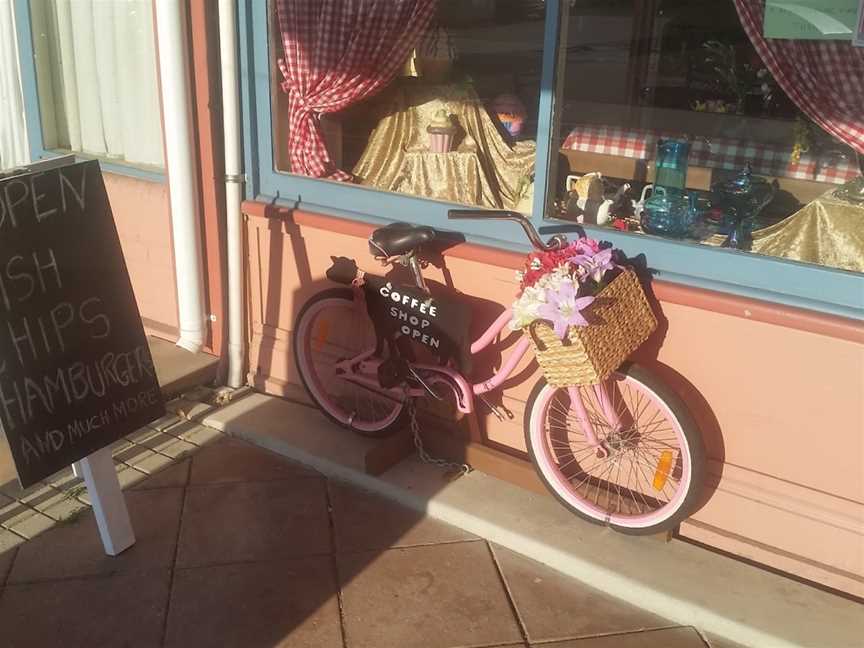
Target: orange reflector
(661,474)
(321,334)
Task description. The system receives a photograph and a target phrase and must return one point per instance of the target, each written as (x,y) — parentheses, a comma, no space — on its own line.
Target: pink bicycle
(625,453)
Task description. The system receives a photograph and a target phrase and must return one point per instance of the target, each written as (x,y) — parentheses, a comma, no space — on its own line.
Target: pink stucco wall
(143,218)
(780,408)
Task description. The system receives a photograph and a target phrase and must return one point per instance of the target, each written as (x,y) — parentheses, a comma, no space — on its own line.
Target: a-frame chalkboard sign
(75,370)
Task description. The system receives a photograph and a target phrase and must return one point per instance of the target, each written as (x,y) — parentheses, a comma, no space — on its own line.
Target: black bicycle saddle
(399,238)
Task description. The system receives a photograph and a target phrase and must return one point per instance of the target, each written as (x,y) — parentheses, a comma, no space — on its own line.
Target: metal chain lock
(425,457)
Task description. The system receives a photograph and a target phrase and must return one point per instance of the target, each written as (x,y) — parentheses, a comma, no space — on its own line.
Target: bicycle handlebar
(555,243)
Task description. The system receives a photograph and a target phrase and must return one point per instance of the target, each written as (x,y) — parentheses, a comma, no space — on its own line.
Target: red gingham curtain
(336,53)
(825,79)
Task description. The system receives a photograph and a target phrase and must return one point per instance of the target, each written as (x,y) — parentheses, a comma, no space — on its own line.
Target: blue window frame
(33,111)
(741,273)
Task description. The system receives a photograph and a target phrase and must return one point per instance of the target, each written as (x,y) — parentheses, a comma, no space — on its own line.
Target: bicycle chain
(425,457)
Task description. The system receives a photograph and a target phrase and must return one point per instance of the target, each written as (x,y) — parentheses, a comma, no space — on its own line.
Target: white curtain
(13,131)
(96,65)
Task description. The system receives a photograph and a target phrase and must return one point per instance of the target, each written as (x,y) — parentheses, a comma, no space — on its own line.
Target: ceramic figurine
(441,133)
(511,113)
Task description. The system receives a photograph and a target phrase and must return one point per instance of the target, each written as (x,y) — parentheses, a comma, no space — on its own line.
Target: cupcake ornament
(441,133)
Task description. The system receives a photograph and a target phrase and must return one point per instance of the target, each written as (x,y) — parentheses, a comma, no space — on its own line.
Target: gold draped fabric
(456,177)
(828,231)
(484,170)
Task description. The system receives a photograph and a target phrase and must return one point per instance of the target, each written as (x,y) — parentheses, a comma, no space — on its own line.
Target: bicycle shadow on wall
(649,355)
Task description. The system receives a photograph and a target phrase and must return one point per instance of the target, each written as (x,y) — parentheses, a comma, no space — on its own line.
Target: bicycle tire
(540,449)
(392,420)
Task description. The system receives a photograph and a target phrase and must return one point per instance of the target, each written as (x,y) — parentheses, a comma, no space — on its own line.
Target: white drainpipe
(174,68)
(233,189)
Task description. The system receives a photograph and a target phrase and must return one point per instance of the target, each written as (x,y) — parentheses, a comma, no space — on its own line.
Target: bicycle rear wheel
(653,470)
(329,329)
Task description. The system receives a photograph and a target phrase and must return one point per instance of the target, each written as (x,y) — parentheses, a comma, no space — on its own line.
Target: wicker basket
(624,321)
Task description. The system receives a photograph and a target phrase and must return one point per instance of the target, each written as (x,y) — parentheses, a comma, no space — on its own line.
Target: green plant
(731,76)
(802,138)
(738,78)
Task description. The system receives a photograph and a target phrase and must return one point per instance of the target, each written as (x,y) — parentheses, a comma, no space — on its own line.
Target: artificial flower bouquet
(584,311)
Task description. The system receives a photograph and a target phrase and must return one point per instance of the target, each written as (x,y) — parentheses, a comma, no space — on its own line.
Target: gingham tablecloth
(719,153)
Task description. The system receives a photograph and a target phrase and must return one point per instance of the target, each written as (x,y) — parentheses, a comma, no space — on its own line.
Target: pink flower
(594,265)
(562,308)
(586,245)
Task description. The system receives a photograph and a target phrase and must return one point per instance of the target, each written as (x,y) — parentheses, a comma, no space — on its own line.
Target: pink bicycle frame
(362,370)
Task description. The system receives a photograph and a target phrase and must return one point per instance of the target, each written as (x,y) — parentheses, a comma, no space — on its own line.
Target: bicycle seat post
(413,262)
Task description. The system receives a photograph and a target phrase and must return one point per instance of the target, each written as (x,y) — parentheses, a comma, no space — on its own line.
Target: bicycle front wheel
(648,475)
(329,329)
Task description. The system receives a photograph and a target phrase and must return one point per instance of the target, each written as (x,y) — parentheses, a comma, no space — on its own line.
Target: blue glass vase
(672,164)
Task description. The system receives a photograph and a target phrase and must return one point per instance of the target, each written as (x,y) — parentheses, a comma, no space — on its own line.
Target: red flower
(538,264)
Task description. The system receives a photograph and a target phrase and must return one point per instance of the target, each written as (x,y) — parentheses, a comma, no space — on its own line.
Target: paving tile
(230,460)
(436,596)
(12,511)
(66,480)
(152,463)
(165,422)
(24,520)
(394,525)
(47,497)
(134,454)
(12,489)
(668,638)
(255,605)
(66,509)
(225,523)
(122,610)
(553,606)
(174,476)
(120,445)
(9,543)
(127,476)
(167,444)
(74,549)
(195,433)
(8,507)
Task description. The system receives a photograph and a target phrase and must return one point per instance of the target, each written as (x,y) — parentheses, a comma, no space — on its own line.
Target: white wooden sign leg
(109,505)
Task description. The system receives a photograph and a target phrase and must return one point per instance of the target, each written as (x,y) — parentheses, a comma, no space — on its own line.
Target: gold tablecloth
(397,157)
(457,176)
(827,231)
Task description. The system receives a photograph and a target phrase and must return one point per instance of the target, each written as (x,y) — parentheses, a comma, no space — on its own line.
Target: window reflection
(680,119)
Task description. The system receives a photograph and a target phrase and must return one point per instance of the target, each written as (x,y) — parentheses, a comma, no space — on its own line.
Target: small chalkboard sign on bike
(75,369)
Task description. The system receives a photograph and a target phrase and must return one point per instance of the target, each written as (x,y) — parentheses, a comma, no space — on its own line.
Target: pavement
(687,584)
(237,546)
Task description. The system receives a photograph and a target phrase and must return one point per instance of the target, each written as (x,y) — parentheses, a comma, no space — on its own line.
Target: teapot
(740,200)
(669,212)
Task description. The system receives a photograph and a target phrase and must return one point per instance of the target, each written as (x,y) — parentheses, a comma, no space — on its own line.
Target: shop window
(96,79)
(719,135)
(432,99)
